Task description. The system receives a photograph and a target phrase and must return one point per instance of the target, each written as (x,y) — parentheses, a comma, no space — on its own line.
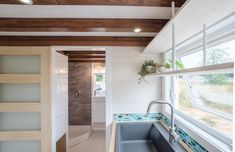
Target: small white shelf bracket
(173,37)
(173,96)
(173,47)
(173,8)
(204,44)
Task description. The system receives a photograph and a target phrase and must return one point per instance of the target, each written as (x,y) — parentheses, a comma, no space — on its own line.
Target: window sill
(204,138)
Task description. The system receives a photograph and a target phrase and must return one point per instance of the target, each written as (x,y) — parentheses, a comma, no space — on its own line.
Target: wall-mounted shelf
(189,21)
(224,67)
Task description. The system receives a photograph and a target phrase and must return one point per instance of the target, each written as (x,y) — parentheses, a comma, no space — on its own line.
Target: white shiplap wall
(127,95)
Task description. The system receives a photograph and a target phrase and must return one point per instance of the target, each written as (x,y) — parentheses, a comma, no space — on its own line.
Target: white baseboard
(98,126)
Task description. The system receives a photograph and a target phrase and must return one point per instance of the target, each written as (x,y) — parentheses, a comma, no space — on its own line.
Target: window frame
(215,133)
(94,83)
(219,135)
(204,108)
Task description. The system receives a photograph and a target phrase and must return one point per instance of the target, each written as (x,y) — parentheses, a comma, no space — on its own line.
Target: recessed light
(28,2)
(137,30)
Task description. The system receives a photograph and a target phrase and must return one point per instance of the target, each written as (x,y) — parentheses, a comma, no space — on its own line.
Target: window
(193,60)
(98,77)
(99,89)
(221,53)
(205,99)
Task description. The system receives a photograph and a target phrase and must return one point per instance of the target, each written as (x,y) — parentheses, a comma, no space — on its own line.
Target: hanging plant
(148,67)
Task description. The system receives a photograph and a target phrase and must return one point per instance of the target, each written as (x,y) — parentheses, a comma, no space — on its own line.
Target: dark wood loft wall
(159,3)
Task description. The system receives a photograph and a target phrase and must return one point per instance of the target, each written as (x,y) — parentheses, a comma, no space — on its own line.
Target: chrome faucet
(172,134)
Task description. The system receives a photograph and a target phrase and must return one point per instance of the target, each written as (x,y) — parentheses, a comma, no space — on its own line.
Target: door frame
(108,80)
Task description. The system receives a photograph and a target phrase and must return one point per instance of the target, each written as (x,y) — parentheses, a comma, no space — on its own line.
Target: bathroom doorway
(86,85)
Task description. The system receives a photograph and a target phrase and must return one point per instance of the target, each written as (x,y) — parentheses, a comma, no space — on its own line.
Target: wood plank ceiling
(85,56)
(43,31)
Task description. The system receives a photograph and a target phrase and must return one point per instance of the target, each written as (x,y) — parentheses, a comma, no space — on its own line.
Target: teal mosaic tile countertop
(188,140)
(137,117)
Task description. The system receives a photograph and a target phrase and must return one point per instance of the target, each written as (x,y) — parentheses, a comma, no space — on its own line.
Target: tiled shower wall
(79,93)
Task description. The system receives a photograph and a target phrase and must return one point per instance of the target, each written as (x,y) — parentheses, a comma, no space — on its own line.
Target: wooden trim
(46,105)
(85,61)
(73,41)
(80,25)
(19,78)
(61,144)
(19,135)
(87,56)
(83,52)
(113,136)
(152,3)
(19,50)
(20,107)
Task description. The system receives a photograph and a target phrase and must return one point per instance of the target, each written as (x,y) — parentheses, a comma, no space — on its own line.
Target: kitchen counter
(185,140)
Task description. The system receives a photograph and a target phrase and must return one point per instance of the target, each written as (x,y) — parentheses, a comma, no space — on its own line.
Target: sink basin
(144,137)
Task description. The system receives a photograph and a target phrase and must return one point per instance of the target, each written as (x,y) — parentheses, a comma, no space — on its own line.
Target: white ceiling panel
(189,21)
(85,11)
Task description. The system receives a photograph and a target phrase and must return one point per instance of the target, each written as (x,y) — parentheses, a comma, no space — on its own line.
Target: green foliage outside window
(99,78)
(217,56)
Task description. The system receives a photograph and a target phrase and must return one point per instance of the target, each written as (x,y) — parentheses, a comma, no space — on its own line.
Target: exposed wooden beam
(160,3)
(86,57)
(80,25)
(93,61)
(73,41)
(61,52)
(83,52)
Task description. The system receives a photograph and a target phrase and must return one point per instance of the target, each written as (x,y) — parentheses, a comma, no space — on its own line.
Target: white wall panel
(127,95)
(59,96)
(98,109)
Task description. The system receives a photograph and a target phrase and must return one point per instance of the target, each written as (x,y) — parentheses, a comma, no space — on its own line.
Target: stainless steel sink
(144,137)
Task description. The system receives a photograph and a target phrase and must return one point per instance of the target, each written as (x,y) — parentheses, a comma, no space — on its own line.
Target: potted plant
(147,67)
(164,67)
(167,66)
(179,64)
